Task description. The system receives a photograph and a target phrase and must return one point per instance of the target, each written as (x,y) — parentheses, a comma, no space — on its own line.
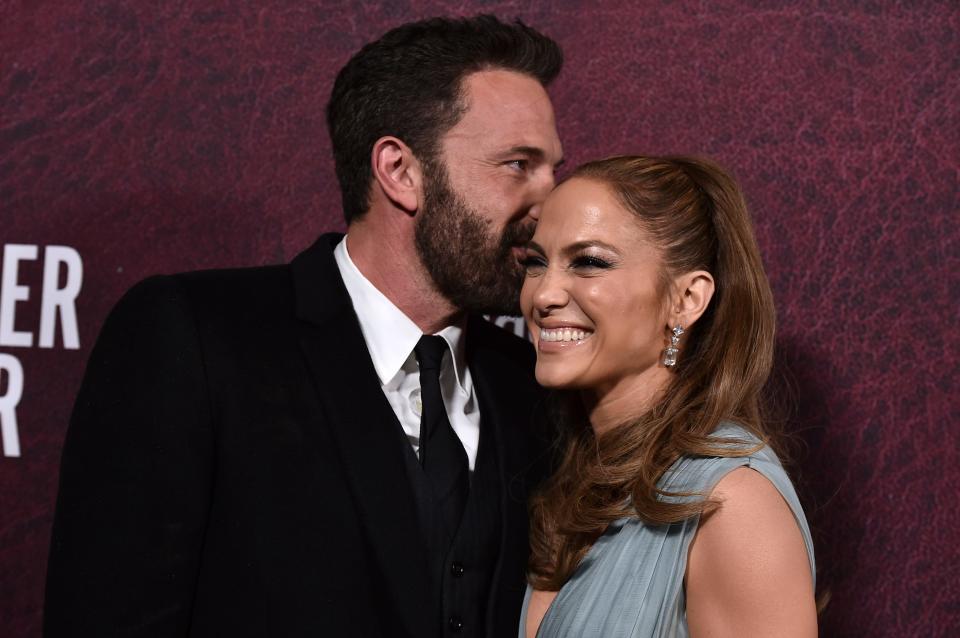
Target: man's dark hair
(409,84)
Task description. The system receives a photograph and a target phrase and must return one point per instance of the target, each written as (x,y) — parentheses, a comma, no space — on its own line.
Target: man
(340,446)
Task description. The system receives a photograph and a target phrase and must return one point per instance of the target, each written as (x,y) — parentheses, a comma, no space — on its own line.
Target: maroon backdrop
(190,135)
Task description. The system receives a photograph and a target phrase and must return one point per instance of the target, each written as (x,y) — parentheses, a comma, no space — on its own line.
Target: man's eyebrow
(532,152)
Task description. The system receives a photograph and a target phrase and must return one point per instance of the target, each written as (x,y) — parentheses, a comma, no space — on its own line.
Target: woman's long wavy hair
(696,214)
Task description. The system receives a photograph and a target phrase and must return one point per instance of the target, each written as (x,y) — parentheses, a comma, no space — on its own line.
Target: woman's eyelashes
(534,263)
(586,262)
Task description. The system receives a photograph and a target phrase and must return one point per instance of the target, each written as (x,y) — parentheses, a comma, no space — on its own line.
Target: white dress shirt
(391,337)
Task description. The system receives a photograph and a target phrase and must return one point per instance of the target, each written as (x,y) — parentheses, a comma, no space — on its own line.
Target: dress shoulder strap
(694,478)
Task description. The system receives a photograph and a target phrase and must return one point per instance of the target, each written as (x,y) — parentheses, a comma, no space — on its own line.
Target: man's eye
(518,164)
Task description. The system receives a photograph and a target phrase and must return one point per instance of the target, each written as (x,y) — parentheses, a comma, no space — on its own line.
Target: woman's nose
(550,293)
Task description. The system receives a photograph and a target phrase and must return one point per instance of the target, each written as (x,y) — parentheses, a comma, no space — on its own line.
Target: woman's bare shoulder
(748,573)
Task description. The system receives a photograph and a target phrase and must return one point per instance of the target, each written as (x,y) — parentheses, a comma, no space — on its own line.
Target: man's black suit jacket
(233,468)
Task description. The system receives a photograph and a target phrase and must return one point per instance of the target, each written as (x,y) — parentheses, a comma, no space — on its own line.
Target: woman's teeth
(564,334)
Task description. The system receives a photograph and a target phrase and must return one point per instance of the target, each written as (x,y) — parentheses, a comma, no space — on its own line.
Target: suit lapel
(368,437)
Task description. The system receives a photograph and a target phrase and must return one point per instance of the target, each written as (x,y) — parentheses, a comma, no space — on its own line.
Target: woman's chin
(551,377)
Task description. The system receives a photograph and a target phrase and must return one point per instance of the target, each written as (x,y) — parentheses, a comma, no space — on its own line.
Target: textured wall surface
(166,136)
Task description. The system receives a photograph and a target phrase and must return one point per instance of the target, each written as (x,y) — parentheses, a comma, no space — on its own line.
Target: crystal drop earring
(670,354)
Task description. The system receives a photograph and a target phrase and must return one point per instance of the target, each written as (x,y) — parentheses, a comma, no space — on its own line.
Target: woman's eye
(587,261)
(533,263)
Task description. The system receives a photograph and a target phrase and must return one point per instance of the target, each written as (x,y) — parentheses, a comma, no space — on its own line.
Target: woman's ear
(397,172)
(694,290)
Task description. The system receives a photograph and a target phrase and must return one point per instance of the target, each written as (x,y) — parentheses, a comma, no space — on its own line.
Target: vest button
(455,623)
(456,569)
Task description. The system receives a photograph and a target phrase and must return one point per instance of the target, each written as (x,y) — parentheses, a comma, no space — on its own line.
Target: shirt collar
(454,336)
(389,334)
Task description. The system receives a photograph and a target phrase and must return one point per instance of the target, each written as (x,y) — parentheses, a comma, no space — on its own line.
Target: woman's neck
(625,399)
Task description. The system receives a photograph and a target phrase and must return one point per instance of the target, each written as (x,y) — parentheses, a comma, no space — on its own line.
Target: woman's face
(591,296)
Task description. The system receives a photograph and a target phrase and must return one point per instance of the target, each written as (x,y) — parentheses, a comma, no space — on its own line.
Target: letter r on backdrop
(60,299)
(12,372)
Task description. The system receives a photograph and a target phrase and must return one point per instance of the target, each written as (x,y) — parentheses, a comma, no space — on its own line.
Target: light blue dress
(630,584)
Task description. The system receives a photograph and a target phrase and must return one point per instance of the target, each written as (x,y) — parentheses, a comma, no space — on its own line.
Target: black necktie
(441,454)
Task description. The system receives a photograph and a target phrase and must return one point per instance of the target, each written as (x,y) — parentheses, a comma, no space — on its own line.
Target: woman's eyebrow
(590,243)
(532,245)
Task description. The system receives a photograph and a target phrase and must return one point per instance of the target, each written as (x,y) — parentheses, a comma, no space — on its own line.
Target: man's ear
(397,172)
(693,292)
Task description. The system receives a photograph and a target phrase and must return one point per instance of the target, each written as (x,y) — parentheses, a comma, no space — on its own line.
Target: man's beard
(475,270)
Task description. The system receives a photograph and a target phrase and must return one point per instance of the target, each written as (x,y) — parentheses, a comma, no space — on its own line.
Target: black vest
(462,578)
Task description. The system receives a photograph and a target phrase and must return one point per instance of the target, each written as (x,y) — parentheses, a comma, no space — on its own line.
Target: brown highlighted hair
(694,211)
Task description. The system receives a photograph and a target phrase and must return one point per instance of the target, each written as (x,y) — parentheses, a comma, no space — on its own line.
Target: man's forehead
(508,109)
(505,93)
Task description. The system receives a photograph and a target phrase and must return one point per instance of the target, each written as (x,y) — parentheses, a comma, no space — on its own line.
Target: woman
(669,514)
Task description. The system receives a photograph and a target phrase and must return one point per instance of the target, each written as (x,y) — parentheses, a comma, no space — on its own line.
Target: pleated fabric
(630,584)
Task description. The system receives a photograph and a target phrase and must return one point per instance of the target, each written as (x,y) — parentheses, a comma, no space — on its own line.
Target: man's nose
(542,188)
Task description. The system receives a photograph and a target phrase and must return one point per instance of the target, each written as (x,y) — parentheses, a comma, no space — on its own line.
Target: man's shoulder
(236,284)
(242,275)
(233,293)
